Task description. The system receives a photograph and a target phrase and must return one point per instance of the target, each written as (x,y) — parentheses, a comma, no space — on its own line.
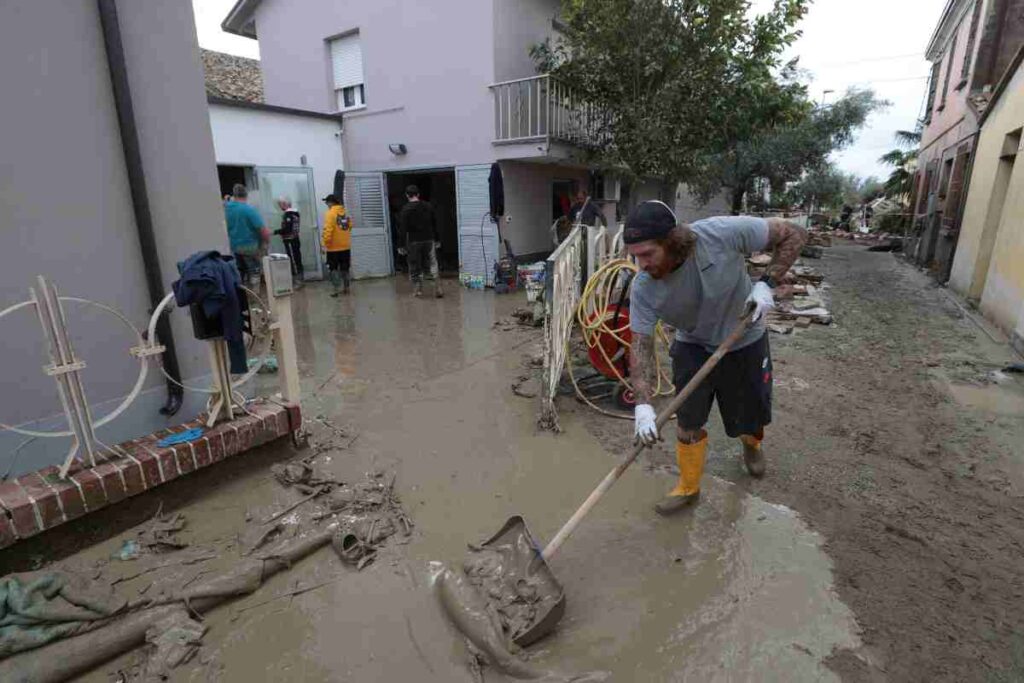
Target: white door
(366,200)
(478,236)
(296,185)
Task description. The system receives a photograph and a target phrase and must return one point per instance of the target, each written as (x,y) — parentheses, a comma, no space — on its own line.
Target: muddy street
(881,546)
(895,437)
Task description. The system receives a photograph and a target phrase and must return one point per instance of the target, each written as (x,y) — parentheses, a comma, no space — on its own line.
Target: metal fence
(66,365)
(544,108)
(563,273)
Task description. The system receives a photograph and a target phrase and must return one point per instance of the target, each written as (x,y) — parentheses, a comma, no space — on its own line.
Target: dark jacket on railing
(211,281)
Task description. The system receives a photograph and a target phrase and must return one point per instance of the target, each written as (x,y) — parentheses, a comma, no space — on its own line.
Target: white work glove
(645,426)
(437,246)
(761,297)
(401,251)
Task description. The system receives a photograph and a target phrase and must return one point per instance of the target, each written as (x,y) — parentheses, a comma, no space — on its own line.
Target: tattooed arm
(642,368)
(785,240)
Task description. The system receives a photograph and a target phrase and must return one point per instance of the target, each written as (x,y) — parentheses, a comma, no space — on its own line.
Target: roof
(260,106)
(240,19)
(231,77)
(948,23)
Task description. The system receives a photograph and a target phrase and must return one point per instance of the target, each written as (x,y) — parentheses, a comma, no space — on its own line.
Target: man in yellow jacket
(337,242)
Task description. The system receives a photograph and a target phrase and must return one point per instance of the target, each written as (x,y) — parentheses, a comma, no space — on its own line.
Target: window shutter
(347,61)
(965,69)
(933,83)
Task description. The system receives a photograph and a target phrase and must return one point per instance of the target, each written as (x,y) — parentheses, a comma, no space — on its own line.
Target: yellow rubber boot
(690,457)
(753,455)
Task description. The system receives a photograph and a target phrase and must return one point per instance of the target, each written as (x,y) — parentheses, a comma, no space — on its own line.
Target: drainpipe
(140,197)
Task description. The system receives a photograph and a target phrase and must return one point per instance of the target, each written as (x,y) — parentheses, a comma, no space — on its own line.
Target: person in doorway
(289,233)
(585,211)
(248,235)
(417,232)
(694,278)
(337,242)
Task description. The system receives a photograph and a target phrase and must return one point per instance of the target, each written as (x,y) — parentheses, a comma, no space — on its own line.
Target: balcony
(544,109)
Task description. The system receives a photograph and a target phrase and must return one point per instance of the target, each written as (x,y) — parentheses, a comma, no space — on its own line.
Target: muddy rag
(38,608)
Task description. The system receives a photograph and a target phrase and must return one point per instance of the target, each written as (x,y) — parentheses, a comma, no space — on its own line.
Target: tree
(900,183)
(677,79)
(785,153)
(822,188)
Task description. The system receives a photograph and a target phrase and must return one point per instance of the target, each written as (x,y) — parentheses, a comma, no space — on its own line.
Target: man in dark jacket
(419,240)
(289,233)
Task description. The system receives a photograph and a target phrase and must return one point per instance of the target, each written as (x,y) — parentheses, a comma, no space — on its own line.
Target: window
(347,65)
(352,96)
(949,72)
(965,69)
(932,87)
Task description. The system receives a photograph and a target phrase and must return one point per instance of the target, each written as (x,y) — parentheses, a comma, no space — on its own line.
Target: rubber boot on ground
(438,291)
(753,455)
(417,289)
(335,277)
(690,457)
(346,278)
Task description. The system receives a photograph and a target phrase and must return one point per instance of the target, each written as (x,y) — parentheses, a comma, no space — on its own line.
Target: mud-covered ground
(897,439)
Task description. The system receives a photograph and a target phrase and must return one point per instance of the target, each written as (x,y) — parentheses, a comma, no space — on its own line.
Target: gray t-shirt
(704,298)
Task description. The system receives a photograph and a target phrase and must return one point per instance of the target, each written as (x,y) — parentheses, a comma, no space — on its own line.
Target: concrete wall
(528,203)
(519,25)
(64,194)
(990,255)
(427,67)
(249,137)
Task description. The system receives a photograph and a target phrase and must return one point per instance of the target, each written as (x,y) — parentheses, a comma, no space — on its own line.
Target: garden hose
(594,320)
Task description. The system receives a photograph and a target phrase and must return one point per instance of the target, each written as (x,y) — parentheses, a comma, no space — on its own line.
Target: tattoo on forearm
(643,367)
(785,240)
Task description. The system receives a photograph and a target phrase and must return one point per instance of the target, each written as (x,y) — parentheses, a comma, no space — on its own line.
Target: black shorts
(741,383)
(339,260)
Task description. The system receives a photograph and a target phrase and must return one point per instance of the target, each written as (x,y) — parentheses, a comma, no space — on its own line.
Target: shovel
(521,554)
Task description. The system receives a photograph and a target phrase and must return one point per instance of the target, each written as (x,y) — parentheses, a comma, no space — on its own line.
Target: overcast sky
(846,43)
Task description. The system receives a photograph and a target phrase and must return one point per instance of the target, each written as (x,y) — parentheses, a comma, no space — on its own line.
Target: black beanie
(651,220)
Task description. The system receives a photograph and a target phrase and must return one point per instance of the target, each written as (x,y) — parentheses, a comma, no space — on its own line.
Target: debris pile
(800,301)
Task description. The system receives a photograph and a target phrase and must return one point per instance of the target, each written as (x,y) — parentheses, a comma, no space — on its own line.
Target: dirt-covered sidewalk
(897,437)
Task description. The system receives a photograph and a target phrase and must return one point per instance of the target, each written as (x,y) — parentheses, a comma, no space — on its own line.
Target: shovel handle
(670,410)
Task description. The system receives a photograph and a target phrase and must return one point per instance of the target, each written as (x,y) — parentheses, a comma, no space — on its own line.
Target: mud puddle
(738,590)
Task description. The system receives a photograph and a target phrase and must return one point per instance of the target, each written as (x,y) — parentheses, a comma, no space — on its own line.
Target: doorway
(438,188)
(228,176)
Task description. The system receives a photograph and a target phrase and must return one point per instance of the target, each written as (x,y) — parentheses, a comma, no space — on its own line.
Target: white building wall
(528,207)
(250,137)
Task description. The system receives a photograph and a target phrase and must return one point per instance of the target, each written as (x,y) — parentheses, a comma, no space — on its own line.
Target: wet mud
(738,590)
(897,439)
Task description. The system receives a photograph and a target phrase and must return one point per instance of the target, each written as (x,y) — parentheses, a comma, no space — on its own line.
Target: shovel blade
(515,534)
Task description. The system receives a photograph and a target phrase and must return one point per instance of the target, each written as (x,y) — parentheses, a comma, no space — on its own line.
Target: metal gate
(478,236)
(366,200)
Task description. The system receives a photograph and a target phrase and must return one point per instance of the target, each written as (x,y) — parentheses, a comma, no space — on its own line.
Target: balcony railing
(544,108)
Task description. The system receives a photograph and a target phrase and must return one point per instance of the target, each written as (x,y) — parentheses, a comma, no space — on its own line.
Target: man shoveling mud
(695,279)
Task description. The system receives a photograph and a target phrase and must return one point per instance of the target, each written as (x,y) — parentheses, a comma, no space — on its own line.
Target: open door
(478,235)
(295,184)
(366,200)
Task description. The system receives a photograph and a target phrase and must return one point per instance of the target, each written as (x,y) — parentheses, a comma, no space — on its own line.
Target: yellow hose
(595,320)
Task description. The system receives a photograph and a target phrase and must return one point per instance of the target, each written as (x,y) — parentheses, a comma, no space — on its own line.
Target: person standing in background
(247,234)
(418,235)
(289,233)
(337,242)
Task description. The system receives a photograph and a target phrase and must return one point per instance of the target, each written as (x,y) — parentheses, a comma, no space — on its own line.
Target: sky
(878,44)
